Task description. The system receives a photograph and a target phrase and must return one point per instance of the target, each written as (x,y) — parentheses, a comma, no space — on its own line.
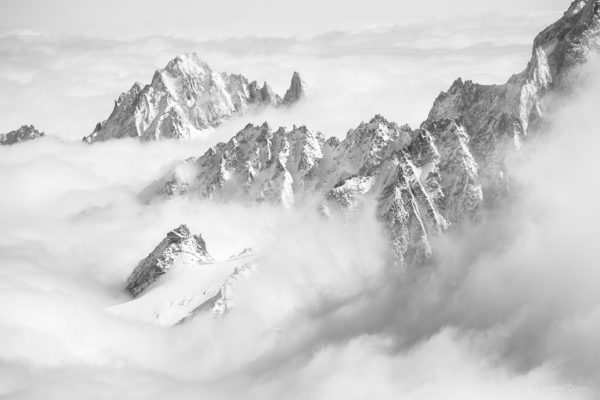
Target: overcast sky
(228,17)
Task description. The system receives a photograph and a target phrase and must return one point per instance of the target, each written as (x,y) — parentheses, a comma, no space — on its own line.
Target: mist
(65,83)
(509,310)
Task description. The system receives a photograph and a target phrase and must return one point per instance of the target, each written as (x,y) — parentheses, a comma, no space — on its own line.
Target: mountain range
(423,181)
(185,98)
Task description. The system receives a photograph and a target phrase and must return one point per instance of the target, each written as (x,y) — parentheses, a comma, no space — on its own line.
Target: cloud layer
(65,84)
(511,311)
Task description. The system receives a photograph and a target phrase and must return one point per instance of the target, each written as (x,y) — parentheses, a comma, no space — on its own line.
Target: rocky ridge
(186,97)
(223,300)
(499,117)
(421,180)
(23,134)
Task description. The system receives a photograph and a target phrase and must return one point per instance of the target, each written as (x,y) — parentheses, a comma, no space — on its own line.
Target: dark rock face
(223,299)
(178,243)
(23,134)
(186,97)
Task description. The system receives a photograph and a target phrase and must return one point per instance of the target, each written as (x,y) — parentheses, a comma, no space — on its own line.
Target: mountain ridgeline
(197,284)
(423,181)
(24,134)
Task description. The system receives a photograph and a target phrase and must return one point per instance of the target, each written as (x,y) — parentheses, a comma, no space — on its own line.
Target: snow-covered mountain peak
(371,142)
(182,75)
(179,245)
(186,97)
(188,64)
(499,118)
(179,280)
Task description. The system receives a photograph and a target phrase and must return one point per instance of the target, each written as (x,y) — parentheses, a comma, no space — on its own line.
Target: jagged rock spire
(178,243)
(186,97)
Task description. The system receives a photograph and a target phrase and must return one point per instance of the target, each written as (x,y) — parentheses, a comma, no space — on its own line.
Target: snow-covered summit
(420,180)
(23,134)
(185,97)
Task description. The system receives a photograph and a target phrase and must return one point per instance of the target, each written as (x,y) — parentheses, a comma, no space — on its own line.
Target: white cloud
(511,312)
(64,84)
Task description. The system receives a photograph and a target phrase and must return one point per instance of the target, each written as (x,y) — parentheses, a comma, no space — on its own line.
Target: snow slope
(190,281)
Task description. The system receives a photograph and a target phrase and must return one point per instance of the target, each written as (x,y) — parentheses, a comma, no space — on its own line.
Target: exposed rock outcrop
(178,245)
(421,180)
(179,281)
(23,134)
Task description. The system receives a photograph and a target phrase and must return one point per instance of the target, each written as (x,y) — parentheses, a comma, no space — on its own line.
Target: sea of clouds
(64,84)
(510,311)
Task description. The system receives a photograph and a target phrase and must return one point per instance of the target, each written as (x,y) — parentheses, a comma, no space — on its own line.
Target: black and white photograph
(299,200)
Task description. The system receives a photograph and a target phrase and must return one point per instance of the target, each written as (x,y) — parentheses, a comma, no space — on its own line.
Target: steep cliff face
(23,134)
(186,97)
(223,301)
(497,118)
